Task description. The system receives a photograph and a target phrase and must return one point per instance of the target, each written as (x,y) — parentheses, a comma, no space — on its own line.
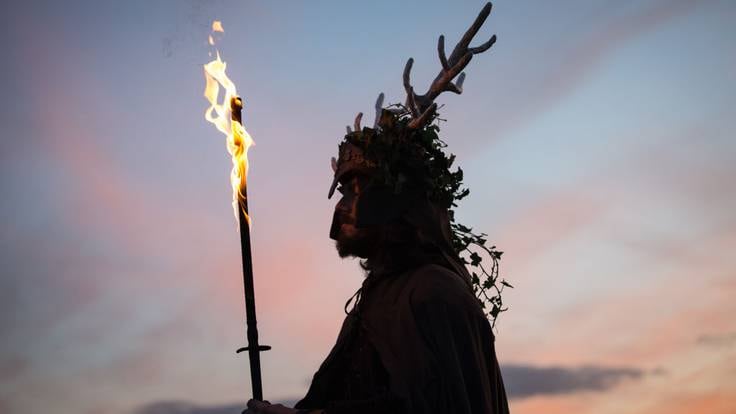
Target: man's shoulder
(435,283)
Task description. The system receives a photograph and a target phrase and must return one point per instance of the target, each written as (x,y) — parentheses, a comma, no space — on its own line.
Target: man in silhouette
(416,339)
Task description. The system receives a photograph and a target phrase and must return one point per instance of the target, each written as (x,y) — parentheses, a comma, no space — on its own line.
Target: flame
(219,114)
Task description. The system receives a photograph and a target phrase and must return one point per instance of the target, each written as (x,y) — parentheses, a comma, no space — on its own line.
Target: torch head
(236,109)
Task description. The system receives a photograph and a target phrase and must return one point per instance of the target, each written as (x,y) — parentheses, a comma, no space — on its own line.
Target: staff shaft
(254,348)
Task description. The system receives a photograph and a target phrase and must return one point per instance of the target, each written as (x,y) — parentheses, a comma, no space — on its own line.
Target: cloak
(416,342)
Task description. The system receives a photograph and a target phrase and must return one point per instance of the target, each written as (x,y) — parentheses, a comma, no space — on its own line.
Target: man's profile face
(350,239)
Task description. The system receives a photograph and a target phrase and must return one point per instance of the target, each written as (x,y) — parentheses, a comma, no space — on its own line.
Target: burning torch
(227,117)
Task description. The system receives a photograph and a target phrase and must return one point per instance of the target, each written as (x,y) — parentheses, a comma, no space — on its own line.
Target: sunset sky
(597,139)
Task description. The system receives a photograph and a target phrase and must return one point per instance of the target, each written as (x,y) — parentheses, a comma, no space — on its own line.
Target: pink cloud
(669,318)
(546,223)
(551,405)
(711,403)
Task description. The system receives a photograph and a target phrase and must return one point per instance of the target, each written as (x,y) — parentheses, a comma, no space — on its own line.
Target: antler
(379,108)
(359,117)
(422,107)
(356,123)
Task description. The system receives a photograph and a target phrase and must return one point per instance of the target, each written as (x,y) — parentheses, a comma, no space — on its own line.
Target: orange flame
(219,114)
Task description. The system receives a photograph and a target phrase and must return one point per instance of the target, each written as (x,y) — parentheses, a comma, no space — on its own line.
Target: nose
(337,221)
(345,205)
(342,206)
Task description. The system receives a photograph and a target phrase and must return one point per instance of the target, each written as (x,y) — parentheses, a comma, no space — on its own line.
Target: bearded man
(416,339)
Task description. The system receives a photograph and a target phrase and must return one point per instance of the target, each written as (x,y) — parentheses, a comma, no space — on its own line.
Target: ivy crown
(403,156)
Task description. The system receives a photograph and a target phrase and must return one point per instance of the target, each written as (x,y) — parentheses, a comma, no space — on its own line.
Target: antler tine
(379,108)
(356,124)
(459,83)
(462,45)
(411,102)
(410,95)
(485,46)
(441,52)
(347,127)
(456,87)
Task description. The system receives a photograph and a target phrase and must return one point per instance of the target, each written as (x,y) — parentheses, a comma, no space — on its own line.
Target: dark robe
(416,342)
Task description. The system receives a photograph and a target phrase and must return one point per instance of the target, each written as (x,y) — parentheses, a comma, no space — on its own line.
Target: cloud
(550,221)
(711,402)
(12,368)
(525,380)
(181,407)
(521,381)
(723,339)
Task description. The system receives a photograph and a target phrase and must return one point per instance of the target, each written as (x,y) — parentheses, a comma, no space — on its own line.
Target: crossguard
(261,348)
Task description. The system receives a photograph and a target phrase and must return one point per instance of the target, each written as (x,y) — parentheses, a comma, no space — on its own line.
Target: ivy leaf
(475,259)
(487,284)
(462,228)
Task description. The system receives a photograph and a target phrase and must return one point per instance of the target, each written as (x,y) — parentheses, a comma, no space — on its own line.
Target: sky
(596,139)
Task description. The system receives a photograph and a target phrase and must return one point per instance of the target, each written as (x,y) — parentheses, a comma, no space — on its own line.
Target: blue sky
(596,138)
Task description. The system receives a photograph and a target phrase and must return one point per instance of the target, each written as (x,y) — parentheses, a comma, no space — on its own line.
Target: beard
(352,241)
(356,242)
